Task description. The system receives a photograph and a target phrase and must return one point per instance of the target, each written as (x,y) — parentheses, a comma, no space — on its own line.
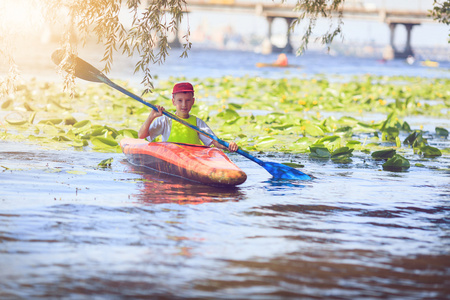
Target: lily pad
(383,154)
(106,163)
(397,163)
(441,132)
(293,165)
(343,151)
(428,151)
(319,152)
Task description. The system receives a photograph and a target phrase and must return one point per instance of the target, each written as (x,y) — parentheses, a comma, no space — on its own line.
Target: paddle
(84,70)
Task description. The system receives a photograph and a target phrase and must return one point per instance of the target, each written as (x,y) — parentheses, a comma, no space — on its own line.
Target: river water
(72,230)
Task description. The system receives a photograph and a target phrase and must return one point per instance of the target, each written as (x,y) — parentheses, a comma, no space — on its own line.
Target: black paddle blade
(280,171)
(82,69)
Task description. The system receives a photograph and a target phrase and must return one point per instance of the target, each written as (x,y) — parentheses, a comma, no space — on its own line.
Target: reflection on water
(160,188)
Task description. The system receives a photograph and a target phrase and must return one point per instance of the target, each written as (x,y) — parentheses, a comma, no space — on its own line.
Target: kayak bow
(197,163)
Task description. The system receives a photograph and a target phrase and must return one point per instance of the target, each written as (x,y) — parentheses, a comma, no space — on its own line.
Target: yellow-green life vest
(180,133)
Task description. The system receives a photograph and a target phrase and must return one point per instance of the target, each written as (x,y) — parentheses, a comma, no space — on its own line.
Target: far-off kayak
(197,163)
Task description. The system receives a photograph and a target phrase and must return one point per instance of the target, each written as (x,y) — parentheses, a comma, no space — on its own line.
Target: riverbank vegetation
(324,118)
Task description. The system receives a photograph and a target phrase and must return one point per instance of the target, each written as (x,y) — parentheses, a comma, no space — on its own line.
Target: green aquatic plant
(428,151)
(396,163)
(330,120)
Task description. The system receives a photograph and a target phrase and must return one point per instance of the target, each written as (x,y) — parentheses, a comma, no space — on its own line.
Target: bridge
(351,9)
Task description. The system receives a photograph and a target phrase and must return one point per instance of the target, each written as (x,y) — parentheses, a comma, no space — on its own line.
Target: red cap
(183,87)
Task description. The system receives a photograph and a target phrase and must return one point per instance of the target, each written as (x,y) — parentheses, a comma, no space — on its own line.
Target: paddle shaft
(105,80)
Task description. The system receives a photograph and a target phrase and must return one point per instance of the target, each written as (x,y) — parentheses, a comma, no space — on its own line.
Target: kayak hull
(201,164)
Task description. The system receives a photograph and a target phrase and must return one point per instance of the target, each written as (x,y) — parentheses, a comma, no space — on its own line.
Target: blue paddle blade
(280,171)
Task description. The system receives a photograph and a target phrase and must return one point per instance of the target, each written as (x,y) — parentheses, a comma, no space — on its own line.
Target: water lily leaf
(328,139)
(70,120)
(406,127)
(353,144)
(343,151)
(106,162)
(16,122)
(228,114)
(266,142)
(28,107)
(319,152)
(51,121)
(415,139)
(344,129)
(396,163)
(6,104)
(98,131)
(383,154)
(442,132)
(293,165)
(390,133)
(130,133)
(428,151)
(282,127)
(102,142)
(77,172)
(80,143)
(234,106)
(31,119)
(313,130)
(348,121)
(82,126)
(61,138)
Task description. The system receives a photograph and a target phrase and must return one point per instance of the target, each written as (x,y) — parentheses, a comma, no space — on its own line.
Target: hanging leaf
(397,163)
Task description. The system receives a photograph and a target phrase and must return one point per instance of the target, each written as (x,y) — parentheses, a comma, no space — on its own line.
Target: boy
(173,131)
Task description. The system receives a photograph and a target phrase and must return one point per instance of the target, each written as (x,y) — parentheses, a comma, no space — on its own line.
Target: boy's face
(183,103)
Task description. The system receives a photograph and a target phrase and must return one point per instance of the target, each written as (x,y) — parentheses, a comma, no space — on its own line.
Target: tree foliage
(147,36)
(311,10)
(441,12)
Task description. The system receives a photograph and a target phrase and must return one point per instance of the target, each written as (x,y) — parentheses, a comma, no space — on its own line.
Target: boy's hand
(155,114)
(233,147)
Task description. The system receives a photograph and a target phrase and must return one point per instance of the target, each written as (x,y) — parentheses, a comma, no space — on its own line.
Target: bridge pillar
(408,49)
(288,48)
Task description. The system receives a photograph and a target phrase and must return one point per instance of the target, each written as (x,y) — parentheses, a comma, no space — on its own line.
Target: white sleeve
(159,126)
(203,126)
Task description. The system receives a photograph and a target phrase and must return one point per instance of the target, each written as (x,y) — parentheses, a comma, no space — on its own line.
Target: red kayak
(197,163)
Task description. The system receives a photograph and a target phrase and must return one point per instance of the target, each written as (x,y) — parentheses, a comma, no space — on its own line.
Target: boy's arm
(143,131)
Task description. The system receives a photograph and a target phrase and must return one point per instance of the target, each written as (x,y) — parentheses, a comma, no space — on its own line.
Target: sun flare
(19,16)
